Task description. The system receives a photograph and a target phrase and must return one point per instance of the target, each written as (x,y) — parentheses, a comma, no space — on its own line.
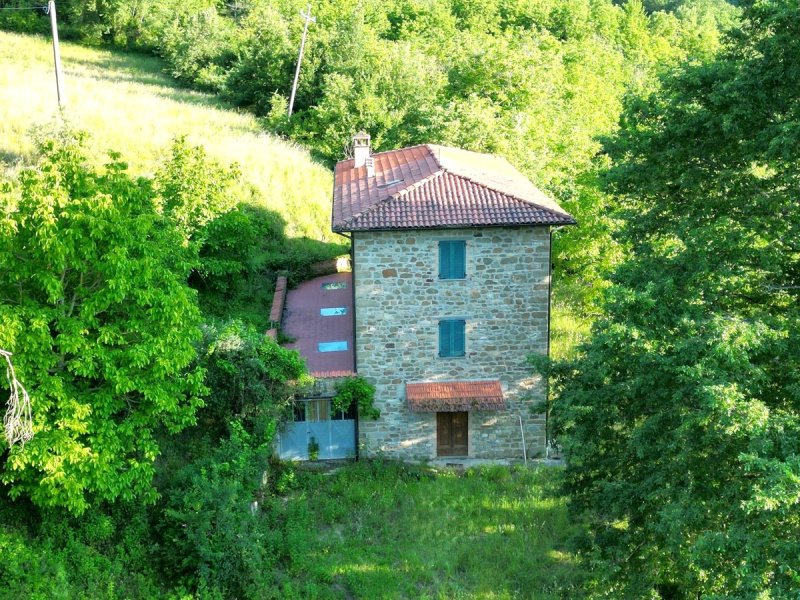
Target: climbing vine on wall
(358,391)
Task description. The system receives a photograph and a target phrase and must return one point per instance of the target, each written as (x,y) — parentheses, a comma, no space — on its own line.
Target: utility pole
(309,19)
(51,9)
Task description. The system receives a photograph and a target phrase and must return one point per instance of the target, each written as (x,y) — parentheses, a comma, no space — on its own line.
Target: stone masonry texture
(399,300)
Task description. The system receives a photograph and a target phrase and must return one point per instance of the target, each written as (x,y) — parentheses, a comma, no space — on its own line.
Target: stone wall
(399,301)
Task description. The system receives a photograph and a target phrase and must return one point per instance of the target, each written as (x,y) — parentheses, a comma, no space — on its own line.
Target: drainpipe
(549,320)
(355,344)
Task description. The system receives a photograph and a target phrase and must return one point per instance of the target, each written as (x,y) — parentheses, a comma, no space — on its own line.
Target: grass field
(128,105)
(386,530)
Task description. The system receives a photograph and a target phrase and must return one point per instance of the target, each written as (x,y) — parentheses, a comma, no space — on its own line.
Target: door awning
(455,396)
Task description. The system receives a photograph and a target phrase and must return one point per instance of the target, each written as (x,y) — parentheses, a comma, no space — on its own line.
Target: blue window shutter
(459,260)
(444,249)
(458,338)
(451,337)
(444,338)
(452,259)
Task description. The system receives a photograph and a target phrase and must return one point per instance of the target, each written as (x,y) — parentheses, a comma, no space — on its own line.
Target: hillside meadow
(127,104)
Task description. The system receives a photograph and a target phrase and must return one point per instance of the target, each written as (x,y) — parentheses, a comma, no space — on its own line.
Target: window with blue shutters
(452,259)
(451,337)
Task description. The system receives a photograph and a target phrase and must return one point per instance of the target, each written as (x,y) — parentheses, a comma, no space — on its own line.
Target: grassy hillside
(128,105)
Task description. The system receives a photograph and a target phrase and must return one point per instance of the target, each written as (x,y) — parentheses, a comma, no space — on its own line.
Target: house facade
(451,294)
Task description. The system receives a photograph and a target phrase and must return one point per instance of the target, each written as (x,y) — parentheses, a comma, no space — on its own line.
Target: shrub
(251,378)
(358,391)
(216,534)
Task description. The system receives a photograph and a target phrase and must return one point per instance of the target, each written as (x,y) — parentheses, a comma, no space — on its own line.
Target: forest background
(604,105)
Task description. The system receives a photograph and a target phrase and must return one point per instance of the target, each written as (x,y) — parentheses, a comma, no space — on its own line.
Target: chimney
(360,149)
(370,167)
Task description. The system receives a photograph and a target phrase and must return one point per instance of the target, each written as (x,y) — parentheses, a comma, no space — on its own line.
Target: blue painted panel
(336,439)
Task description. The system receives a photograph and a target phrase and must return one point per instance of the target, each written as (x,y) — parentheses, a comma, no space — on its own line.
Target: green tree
(681,418)
(251,378)
(95,306)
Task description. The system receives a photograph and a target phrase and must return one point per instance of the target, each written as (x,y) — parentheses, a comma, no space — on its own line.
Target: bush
(219,532)
(358,391)
(103,554)
(251,378)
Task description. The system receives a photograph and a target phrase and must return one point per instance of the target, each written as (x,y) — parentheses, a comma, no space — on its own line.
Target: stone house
(450,283)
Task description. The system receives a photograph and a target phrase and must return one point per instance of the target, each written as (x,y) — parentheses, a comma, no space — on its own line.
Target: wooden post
(51,9)
(307,16)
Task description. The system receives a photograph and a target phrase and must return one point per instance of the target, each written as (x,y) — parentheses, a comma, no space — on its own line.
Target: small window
(332,346)
(451,337)
(334,285)
(452,259)
(318,410)
(333,312)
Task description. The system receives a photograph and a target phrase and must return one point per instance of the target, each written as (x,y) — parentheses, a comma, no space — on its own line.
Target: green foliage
(193,190)
(241,254)
(24,21)
(251,378)
(96,310)
(199,47)
(681,416)
(218,538)
(355,391)
(103,554)
(313,448)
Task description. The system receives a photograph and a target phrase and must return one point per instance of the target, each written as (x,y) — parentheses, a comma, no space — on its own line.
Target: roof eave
(351,228)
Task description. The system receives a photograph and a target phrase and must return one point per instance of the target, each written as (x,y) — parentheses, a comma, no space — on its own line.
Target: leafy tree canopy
(682,415)
(95,306)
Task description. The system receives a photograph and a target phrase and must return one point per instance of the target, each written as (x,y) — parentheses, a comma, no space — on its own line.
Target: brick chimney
(360,149)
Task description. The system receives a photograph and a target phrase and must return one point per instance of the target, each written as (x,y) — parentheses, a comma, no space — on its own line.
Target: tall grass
(384,530)
(128,105)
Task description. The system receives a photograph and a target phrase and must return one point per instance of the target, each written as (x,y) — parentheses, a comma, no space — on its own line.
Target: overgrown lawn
(387,530)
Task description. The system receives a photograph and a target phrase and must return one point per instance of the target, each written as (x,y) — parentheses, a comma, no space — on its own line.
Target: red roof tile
(433,187)
(303,322)
(455,396)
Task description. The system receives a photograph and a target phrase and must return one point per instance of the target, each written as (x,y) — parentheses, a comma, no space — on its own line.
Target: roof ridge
(414,186)
(391,151)
(433,155)
(502,193)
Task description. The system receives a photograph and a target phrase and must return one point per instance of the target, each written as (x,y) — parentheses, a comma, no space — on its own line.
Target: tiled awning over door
(455,396)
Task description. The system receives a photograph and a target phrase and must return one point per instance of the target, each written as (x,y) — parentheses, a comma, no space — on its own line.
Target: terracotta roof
(435,186)
(303,322)
(455,396)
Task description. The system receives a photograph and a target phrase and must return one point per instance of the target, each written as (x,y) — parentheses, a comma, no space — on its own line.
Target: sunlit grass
(128,105)
(386,530)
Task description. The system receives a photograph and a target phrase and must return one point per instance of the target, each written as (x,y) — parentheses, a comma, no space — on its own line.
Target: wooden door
(451,434)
